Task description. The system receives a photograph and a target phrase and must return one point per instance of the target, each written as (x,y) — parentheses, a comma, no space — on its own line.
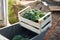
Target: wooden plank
(56,0)
(49,25)
(46,21)
(30,22)
(30,28)
(54,8)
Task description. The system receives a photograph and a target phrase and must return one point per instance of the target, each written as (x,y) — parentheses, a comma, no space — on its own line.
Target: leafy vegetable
(33,14)
(19,37)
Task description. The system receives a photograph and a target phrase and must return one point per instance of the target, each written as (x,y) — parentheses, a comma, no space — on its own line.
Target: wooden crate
(33,26)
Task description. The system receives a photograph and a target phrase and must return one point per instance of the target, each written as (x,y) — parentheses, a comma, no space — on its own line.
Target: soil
(39,5)
(56,34)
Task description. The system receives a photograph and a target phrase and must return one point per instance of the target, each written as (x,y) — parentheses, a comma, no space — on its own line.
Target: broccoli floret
(33,14)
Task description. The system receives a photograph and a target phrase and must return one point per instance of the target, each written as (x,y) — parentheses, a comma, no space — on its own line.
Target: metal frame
(5,10)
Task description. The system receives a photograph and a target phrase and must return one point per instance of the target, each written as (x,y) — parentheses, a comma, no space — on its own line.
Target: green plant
(13,19)
(19,37)
(13,11)
(33,14)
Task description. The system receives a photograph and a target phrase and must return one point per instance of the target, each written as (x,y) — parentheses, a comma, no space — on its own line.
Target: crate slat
(30,28)
(46,21)
(30,22)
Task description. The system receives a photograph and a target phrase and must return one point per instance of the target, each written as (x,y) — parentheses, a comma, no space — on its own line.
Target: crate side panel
(30,22)
(30,28)
(46,27)
(46,21)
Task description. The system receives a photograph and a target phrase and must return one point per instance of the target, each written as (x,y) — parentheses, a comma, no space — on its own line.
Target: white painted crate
(16,29)
(3,38)
(33,26)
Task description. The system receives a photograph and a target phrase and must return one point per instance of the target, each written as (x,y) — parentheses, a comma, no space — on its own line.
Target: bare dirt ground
(56,33)
(55,16)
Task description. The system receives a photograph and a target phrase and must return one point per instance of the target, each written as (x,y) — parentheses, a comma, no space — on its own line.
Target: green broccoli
(19,37)
(33,14)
